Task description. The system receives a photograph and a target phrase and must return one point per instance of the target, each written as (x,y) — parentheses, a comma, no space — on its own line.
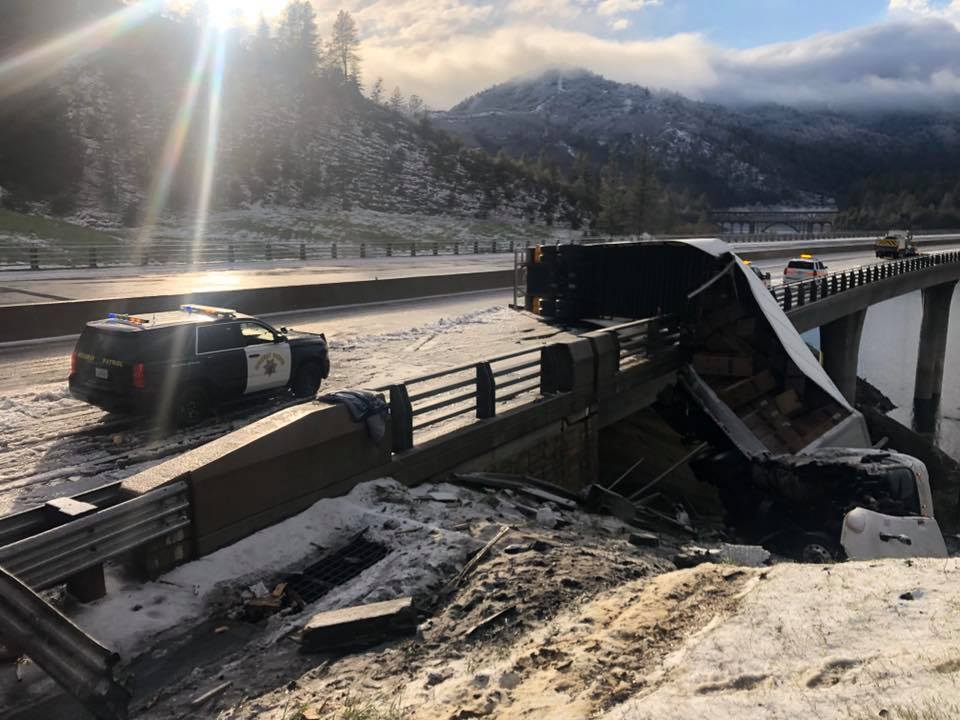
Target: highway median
(36,321)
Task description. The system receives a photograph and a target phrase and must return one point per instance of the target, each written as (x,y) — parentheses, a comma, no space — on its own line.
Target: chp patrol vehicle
(180,364)
(896,244)
(805,267)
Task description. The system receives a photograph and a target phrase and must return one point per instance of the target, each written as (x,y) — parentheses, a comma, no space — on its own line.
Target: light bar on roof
(209,310)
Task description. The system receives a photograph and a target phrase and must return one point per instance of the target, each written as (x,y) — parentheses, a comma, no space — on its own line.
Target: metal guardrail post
(512,246)
(801,293)
(787,299)
(476,247)
(363,250)
(303,250)
(456,248)
(77,662)
(486,391)
(843,282)
(333,250)
(93,257)
(860,276)
(389,250)
(493,246)
(231,254)
(413,249)
(813,290)
(436,248)
(401,418)
(34,259)
(268,251)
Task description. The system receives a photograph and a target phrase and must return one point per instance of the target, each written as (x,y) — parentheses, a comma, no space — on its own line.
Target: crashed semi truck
(792,459)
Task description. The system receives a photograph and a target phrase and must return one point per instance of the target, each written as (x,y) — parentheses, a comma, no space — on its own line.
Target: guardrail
(66,254)
(77,662)
(53,556)
(125,251)
(801,293)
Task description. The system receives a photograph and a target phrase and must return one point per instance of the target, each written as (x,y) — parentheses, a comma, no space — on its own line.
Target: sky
(834,52)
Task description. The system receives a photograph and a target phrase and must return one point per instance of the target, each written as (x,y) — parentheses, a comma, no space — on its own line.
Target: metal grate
(336,568)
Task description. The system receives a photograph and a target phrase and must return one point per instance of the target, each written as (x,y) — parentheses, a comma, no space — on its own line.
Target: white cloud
(446,50)
(935,8)
(618,7)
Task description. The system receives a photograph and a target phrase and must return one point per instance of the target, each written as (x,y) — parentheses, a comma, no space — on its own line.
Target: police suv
(805,267)
(180,364)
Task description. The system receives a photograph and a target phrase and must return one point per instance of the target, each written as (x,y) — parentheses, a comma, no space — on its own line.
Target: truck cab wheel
(307,379)
(191,406)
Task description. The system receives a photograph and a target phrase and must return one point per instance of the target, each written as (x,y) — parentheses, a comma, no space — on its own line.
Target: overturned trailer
(792,459)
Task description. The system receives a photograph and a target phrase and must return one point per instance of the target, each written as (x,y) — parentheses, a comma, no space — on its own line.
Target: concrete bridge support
(840,344)
(933,348)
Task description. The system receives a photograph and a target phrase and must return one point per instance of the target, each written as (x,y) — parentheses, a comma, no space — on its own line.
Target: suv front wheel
(306,380)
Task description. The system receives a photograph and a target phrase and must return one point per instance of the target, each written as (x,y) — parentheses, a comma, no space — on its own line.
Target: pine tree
(262,48)
(396,101)
(644,194)
(613,212)
(415,106)
(342,52)
(297,37)
(376,92)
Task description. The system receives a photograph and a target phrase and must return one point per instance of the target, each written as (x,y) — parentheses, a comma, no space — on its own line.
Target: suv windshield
(800,265)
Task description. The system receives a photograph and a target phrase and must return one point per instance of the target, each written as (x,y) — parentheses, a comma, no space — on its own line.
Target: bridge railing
(440,401)
(67,254)
(798,294)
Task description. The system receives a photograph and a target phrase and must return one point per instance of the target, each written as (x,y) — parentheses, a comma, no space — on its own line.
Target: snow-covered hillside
(736,155)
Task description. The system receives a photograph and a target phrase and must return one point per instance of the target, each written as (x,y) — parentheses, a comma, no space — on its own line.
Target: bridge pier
(933,348)
(840,344)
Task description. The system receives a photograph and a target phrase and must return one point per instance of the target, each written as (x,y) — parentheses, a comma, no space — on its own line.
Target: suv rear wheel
(306,380)
(191,405)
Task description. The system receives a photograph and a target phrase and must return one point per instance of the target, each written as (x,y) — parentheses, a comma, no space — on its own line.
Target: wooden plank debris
(478,558)
(359,626)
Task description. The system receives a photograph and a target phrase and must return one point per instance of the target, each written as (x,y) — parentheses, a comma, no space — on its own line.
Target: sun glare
(230,13)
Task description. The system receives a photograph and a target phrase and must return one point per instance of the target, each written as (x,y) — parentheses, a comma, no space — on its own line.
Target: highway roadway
(21,287)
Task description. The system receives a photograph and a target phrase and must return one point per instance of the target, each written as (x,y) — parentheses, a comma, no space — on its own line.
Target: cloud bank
(446,50)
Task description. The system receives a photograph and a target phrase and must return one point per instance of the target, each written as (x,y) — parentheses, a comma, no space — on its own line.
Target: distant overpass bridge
(799,221)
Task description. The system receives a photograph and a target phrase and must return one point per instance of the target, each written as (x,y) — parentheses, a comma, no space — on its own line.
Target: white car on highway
(805,267)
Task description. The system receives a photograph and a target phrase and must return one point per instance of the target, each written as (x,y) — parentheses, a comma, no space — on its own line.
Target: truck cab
(896,244)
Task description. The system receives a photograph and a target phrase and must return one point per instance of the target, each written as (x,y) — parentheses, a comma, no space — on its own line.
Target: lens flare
(43,61)
(210,147)
(173,147)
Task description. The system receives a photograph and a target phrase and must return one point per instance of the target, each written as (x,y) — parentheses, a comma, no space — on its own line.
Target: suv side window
(221,336)
(255,334)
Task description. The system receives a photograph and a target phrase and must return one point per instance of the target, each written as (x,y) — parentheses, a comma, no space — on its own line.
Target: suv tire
(307,379)
(191,405)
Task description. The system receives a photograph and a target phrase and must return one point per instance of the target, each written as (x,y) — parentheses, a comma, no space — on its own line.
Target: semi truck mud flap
(869,535)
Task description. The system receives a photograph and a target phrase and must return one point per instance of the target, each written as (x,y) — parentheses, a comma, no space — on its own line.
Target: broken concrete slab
(644,539)
(360,626)
(598,499)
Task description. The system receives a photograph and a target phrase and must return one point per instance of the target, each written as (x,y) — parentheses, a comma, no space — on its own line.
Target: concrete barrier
(54,319)
(267,471)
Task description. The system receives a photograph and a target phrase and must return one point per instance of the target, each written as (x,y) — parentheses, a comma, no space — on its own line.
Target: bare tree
(343,48)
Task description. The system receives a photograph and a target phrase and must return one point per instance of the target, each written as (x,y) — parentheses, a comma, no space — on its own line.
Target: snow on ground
(853,640)
(405,520)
